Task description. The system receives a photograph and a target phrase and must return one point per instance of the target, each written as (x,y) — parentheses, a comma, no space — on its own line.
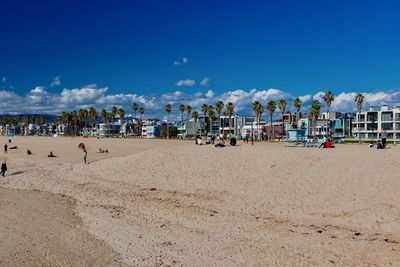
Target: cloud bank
(40,100)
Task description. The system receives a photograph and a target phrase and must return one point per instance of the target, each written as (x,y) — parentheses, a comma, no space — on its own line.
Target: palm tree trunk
(167,130)
(272,130)
(359,128)
(283,127)
(230,126)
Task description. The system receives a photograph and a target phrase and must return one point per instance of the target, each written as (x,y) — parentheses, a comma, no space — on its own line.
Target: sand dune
(154,202)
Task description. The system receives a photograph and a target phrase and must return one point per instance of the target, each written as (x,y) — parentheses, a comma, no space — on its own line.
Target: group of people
(211,140)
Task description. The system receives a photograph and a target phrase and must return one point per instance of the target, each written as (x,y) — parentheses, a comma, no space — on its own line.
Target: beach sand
(171,203)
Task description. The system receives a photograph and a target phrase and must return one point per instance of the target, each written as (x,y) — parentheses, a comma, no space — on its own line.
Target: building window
(397,116)
(397,126)
(387,126)
(372,116)
(372,126)
(387,116)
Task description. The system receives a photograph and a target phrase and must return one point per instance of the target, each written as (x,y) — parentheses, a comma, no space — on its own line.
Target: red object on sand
(329,144)
(81,145)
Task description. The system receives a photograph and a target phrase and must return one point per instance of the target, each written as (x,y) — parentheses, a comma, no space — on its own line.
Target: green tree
(329,97)
(195,116)
(188,111)
(141,112)
(204,109)
(271,106)
(282,108)
(168,109)
(211,114)
(297,105)
(230,109)
(359,100)
(258,110)
(314,112)
(219,106)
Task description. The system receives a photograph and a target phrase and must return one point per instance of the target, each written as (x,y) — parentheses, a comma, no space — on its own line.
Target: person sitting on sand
(3,168)
(221,143)
(28,152)
(84,155)
(51,155)
(5,148)
(233,141)
(14,147)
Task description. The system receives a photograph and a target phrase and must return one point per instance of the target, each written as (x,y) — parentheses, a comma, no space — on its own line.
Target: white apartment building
(369,124)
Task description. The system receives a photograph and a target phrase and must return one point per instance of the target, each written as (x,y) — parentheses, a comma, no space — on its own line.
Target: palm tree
(195,116)
(297,105)
(219,106)
(182,109)
(282,108)
(114,112)
(121,114)
(258,110)
(189,111)
(135,108)
(104,115)
(271,106)
(168,109)
(210,116)
(359,99)
(229,111)
(328,98)
(314,112)
(93,116)
(204,109)
(141,112)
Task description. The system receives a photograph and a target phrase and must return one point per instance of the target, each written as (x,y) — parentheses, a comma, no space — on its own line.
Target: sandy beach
(171,203)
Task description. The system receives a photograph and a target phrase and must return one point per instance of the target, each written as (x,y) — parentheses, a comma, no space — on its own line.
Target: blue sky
(129,47)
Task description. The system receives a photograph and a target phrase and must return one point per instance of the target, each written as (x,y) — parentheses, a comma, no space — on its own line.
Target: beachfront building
(187,129)
(369,124)
(342,126)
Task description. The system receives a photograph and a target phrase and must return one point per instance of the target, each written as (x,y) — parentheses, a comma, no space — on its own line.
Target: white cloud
(186,83)
(182,61)
(39,100)
(4,79)
(205,81)
(56,81)
(210,94)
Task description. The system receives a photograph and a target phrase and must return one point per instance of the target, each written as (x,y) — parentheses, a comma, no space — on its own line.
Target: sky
(62,55)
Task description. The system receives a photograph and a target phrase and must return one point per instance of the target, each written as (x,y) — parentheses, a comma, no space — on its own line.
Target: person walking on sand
(3,168)
(5,148)
(384,136)
(84,155)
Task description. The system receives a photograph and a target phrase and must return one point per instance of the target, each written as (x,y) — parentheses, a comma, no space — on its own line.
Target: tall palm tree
(104,115)
(282,108)
(121,114)
(93,116)
(359,99)
(297,105)
(141,112)
(219,106)
(314,112)
(114,112)
(271,106)
(230,109)
(211,116)
(182,109)
(189,111)
(195,116)
(329,97)
(168,109)
(258,110)
(204,109)
(135,108)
